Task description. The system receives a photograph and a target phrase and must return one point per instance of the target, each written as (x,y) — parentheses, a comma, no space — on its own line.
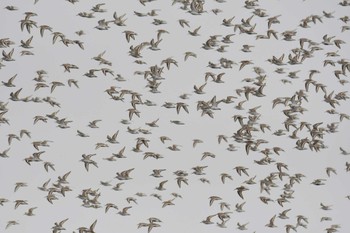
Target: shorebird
(325,207)
(154,45)
(124,211)
(239,207)
(11,223)
(344,152)
(3,154)
(208,220)
(168,62)
(195,31)
(157,173)
(20,185)
(124,175)
(58,226)
(87,161)
(160,187)
(90,229)
(180,180)
(199,90)
(271,222)
(213,198)
(182,105)
(93,124)
(30,211)
(240,191)
(7,56)
(225,176)
(20,202)
(184,23)
(113,139)
(240,169)
(189,54)
(110,205)
(11,8)
(245,63)
(168,203)
(81,134)
(117,187)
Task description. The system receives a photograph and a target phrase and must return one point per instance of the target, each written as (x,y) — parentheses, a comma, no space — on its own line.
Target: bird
(153,123)
(51,197)
(133,111)
(3,154)
(11,223)
(9,82)
(160,187)
(199,90)
(24,132)
(225,176)
(208,220)
(131,199)
(44,28)
(8,56)
(239,207)
(55,84)
(344,152)
(20,202)
(11,8)
(90,229)
(113,139)
(20,185)
(168,62)
(318,182)
(325,207)
(245,63)
(180,180)
(93,124)
(87,161)
(160,32)
(48,165)
(271,222)
(81,134)
(240,169)
(103,24)
(240,191)
(154,45)
(120,154)
(181,105)
(283,214)
(124,175)
(213,198)
(124,211)
(242,227)
(184,23)
(246,48)
(68,67)
(195,31)
(58,226)
(44,186)
(168,203)
(117,187)
(11,137)
(330,170)
(157,173)
(189,54)
(30,211)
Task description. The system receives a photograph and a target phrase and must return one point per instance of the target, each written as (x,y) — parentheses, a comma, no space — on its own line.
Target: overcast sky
(90,102)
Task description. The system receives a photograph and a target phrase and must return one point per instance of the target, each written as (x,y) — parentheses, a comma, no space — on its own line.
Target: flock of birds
(197,69)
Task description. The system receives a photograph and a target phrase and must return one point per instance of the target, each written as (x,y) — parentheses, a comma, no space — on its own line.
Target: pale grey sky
(91,102)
